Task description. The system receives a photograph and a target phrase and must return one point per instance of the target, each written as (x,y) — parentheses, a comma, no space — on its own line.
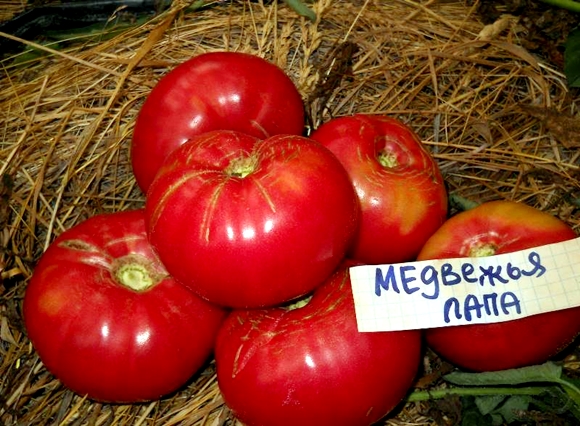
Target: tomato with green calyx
(499,227)
(107,319)
(401,191)
(213,91)
(307,364)
(250,223)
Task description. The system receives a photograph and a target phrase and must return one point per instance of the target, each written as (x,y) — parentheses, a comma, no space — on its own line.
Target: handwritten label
(448,292)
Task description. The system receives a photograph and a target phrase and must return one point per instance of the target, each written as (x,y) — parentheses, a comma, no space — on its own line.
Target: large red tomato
(213,91)
(402,194)
(248,223)
(494,228)
(310,366)
(106,318)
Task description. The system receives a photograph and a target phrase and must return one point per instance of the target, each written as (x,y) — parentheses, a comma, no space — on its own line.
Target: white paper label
(448,292)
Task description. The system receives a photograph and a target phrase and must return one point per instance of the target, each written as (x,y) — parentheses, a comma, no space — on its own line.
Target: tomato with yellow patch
(399,185)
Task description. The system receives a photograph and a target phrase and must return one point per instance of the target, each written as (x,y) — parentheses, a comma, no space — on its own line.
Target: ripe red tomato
(310,365)
(213,91)
(248,223)
(402,194)
(494,228)
(108,321)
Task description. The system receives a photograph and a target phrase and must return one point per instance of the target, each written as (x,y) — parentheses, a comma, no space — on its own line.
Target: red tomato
(494,228)
(310,365)
(108,321)
(402,194)
(248,223)
(213,91)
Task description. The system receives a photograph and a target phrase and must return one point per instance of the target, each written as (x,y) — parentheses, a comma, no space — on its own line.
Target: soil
(546,26)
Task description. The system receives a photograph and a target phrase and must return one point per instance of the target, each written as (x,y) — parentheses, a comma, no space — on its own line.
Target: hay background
(500,122)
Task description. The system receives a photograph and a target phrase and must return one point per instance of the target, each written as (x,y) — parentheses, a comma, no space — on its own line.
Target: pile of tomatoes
(242,253)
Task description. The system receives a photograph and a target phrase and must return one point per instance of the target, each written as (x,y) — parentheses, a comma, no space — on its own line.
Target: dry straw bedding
(500,122)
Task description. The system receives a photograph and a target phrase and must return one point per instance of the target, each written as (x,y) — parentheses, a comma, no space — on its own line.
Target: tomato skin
(507,227)
(213,91)
(311,366)
(251,241)
(401,205)
(103,339)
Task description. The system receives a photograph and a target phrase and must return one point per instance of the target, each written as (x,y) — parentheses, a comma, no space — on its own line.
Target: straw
(500,121)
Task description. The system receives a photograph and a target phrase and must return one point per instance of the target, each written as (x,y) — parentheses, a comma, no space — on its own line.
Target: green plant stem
(571,5)
(475,391)
(572,390)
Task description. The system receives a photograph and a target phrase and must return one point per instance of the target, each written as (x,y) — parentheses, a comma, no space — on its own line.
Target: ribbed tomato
(494,228)
(213,91)
(251,223)
(309,365)
(107,319)
(401,191)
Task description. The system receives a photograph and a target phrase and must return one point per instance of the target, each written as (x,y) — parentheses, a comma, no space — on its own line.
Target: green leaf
(496,420)
(572,58)
(572,388)
(502,409)
(301,9)
(548,372)
(512,406)
(486,404)
(471,414)
(574,382)
(474,419)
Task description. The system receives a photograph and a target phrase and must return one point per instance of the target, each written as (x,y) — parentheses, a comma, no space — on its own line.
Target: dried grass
(9,8)
(501,123)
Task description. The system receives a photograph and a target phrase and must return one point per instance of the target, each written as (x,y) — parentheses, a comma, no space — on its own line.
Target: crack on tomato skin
(236,360)
(242,358)
(265,194)
(205,226)
(369,411)
(279,148)
(326,308)
(256,125)
(87,254)
(127,240)
(240,320)
(130,244)
(169,192)
(79,245)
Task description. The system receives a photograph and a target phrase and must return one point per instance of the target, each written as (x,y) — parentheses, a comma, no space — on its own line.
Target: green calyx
(483,250)
(241,167)
(134,273)
(387,159)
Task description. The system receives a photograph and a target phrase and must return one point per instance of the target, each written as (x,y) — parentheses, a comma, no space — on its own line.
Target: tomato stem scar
(241,166)
(135,277)
(483,250)
(133,273)
(387,159)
